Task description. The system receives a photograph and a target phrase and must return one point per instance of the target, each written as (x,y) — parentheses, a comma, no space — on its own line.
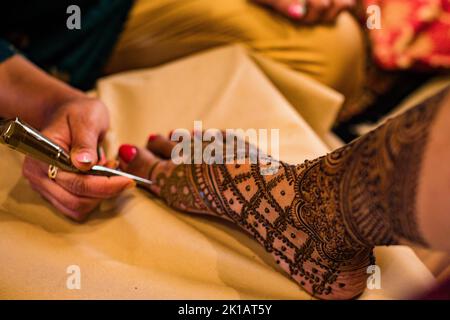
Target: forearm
(29,92)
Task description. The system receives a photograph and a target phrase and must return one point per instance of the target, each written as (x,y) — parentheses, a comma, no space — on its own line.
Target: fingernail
(296,11)
(152,137)
(113,164)
(84,157)
(127,152)
(131,185)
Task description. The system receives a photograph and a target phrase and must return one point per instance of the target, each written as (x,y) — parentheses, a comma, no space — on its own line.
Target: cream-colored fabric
(318,105)
(437,262)
(135,247)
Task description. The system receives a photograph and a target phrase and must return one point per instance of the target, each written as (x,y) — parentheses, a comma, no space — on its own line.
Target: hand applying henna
(319,220)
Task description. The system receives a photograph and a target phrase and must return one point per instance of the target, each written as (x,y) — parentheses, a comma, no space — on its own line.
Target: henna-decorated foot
(321,219)
(290,213)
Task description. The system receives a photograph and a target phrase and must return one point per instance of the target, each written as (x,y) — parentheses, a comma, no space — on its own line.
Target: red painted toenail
(296,11)
(152,137)
(127,152)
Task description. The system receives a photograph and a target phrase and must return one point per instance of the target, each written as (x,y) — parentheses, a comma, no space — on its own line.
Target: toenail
(127,152)
(296,11)
(152,137)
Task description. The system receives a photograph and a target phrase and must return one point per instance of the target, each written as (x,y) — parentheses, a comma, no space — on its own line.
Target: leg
(320,220)
(160,31)
(433,201)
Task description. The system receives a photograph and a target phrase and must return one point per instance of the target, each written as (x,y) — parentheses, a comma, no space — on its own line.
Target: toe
(137,161)
(160,146)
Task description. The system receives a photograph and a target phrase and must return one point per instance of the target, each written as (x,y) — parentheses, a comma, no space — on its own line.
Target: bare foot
(293,213)
(321,219)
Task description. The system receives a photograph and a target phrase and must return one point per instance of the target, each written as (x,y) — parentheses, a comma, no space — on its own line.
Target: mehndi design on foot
(320,220)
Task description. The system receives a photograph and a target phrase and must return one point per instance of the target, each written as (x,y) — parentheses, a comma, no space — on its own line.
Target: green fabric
(76,56)
(6,50)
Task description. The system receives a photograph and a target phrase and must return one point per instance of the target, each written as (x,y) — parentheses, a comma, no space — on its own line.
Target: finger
(32,168)
(86,132)
(80,197)
(113,164)
(75,207)
(93,186)
(315,10)
(78,215)
(140,162)
(336,8)
(101,156)
(77,184)
(160,146)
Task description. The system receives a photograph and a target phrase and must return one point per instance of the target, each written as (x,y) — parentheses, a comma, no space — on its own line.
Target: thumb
(84,146)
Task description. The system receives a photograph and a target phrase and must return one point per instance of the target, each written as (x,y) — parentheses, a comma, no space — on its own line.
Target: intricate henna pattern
(321,219)
(379,174)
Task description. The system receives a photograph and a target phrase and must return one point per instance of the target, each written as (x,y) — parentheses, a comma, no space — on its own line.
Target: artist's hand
(78,126)
(310,11)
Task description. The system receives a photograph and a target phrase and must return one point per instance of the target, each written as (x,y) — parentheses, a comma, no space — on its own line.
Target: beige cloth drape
(135,247)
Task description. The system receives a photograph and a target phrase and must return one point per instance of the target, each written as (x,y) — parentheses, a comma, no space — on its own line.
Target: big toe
(137,161)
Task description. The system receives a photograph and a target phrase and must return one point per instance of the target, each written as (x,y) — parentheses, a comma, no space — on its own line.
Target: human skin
(71,119)
(320,220)
(36,97)
(312,11)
